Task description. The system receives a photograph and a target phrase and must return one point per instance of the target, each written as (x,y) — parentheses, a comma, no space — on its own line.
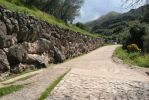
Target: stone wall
(27,42)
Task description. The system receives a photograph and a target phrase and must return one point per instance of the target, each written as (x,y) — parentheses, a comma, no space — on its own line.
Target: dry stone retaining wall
(27,42)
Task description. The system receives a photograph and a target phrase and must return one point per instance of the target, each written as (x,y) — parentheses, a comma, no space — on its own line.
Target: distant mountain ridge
(116,24)
(102,19)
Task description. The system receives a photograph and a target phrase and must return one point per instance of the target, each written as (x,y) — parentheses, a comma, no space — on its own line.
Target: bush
(136,36)
(133,48)
(146,41)
(82,26)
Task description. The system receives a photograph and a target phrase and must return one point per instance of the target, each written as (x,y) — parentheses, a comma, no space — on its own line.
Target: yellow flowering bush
(133,48)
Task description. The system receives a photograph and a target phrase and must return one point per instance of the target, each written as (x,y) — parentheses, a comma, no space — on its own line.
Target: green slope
(117,25)
(102,19)
(17,6)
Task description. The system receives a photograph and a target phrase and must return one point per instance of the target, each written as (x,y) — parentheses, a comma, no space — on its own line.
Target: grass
(134,58)
(10,89)
(51,87)
(17,6)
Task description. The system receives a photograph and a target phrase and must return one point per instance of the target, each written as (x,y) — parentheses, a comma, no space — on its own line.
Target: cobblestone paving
(78,87)
(96,77)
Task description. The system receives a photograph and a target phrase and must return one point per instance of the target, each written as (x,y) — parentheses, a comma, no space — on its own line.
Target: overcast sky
(93,9)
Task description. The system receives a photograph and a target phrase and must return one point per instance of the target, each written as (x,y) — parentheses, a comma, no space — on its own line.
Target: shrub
(146,41)
(136,36)
(133,48)
(82,26)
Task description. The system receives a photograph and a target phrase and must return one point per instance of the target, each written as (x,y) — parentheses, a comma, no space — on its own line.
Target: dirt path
(94,76)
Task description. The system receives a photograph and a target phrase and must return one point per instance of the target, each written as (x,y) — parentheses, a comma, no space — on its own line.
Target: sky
(93,9)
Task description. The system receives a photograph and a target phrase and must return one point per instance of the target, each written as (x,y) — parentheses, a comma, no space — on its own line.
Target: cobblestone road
(96,77)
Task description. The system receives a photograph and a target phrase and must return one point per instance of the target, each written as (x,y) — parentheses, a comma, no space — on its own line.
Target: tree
(70,9)
(136,36)
(66,10)
(52,7)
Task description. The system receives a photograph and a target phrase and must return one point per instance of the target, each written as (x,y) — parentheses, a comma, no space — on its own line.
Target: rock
(18,68)
(1,79)
(27,40)
(40,61)
(4,65)
(39,46)
(7,40)
(3,29)
(117,60)
(58,56)
(9,25)
(16,54)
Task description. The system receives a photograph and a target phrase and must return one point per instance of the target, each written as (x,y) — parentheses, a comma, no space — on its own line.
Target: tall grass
(17,6)
(134,58)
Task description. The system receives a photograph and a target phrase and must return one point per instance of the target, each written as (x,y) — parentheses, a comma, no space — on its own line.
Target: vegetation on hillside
(136,46)
(17,6)
(102,19)
(66,10)
(135,58)
(82,26)
(117,25)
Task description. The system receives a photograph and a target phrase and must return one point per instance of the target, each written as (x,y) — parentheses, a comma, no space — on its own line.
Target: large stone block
(16,54)
(4,65)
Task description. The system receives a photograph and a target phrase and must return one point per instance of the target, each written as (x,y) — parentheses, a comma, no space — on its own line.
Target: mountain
(117,25)
(101,19)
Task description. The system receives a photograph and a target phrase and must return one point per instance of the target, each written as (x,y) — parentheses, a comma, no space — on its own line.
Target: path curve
(96,77)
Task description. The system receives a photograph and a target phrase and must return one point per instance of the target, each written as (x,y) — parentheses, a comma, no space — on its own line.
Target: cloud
(95,8)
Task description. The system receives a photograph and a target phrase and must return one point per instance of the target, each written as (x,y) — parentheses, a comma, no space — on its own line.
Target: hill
(101,19)
(117,25)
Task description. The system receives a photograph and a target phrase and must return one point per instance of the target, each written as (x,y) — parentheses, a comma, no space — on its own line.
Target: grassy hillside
(102,19)
(117,25)
(17,6)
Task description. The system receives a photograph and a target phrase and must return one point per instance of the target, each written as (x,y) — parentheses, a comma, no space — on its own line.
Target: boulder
(18,68)
(3,29)
(7,40)
(16,54)
(40,61)
(39,46)
(4,65)
(8,24)
(4,75)
(58,56)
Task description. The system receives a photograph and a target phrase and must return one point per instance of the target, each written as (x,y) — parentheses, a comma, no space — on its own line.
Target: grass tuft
(10,89)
